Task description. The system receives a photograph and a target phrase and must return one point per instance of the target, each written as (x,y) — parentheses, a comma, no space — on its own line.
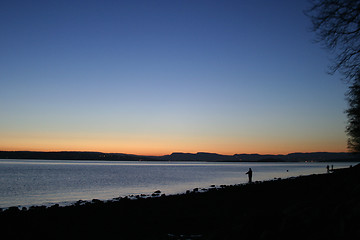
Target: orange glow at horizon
(157,146)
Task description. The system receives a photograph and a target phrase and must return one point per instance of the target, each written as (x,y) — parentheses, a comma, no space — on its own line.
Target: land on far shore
(178,156)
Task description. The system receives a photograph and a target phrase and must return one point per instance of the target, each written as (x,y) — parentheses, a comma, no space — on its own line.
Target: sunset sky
(155,77)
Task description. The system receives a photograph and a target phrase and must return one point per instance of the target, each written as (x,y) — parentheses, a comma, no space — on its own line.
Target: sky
(156,77)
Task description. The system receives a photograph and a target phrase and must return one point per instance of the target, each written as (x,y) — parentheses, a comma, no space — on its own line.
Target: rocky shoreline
(311,207)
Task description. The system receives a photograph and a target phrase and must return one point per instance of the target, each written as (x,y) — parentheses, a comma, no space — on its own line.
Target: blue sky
(153,77)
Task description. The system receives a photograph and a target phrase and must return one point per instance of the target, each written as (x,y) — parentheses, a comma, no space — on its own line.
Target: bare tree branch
(337,25)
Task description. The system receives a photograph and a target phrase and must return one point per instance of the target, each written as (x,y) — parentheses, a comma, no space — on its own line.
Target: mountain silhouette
(179,156)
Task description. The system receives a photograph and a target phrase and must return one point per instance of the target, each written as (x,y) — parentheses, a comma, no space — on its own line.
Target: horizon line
(159,155)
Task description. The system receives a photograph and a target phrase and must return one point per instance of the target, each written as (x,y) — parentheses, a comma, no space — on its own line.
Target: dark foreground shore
(323,206)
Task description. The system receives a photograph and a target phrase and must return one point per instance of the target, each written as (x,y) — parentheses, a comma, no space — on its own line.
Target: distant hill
(201,156)
(299,157)
(71,156)
(178,156)
(292,157)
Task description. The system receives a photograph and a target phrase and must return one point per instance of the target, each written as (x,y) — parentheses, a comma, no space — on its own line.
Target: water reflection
(29,182)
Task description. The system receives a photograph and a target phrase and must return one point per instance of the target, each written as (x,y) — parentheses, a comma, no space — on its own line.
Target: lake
(46,182)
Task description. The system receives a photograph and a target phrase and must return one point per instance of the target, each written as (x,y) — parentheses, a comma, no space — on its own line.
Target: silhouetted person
(328,168)
(249,173)
(332,168)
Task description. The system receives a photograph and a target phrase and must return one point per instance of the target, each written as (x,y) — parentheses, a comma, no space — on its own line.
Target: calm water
(38,182)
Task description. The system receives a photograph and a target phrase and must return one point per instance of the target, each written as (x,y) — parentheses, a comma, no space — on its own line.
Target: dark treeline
(201,156)
(325,206)
(70,156)
(292,157)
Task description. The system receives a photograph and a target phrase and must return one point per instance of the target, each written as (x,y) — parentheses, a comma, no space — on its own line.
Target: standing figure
(327,168)
(249,173)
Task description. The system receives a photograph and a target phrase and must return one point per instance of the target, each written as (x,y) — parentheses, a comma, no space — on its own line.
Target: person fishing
(249,173)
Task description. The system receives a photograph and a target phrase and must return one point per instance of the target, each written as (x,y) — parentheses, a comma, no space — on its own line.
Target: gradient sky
(155,77)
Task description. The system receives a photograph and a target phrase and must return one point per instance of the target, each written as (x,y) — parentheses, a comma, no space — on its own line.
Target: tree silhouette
(337,26)
(353,114)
